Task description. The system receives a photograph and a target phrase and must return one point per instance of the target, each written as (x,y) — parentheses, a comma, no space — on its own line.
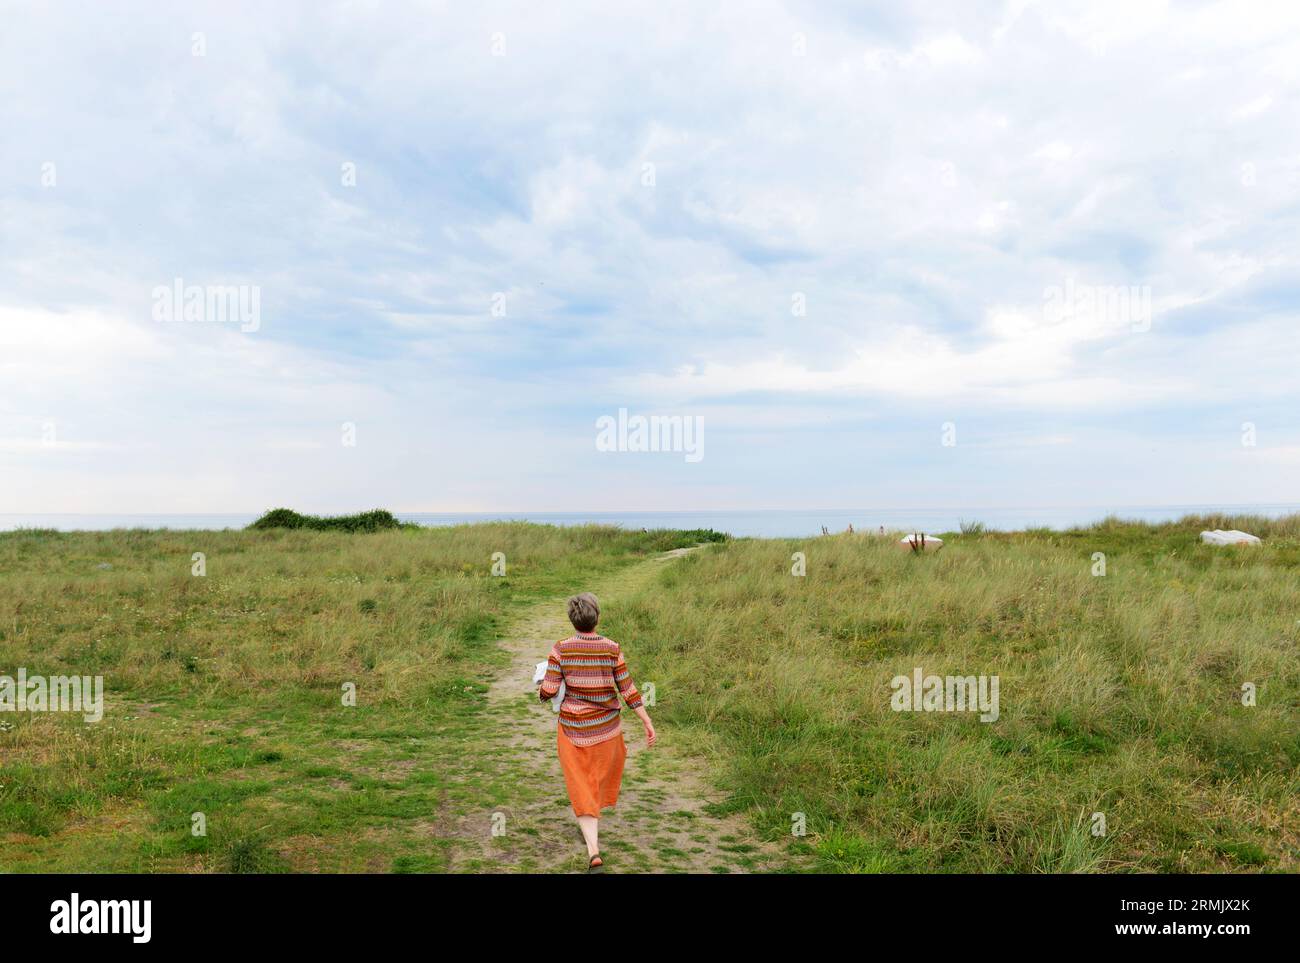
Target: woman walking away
(590,734)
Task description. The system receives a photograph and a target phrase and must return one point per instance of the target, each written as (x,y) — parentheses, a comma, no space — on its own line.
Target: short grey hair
(584,612)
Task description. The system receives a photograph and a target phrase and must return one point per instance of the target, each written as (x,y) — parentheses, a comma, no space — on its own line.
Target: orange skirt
(592,774)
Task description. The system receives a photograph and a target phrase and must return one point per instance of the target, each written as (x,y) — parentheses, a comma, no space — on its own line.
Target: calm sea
(770,524)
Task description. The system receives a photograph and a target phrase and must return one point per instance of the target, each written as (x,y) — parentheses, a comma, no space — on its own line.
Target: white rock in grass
(1232,537)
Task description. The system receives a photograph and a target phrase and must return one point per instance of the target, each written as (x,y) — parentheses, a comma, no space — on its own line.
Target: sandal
(597,865)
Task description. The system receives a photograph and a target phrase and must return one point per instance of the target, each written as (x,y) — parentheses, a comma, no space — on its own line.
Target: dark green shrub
(374,521)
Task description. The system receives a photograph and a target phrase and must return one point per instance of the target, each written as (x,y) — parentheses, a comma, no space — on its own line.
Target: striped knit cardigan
(594,676)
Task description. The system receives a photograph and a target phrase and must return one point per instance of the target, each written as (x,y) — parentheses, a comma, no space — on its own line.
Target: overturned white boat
(1231,537)
(920,542)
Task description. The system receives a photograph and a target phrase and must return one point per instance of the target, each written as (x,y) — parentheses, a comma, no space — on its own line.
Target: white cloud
(918,181)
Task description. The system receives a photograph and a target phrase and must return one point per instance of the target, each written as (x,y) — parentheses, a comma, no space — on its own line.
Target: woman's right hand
(650,735)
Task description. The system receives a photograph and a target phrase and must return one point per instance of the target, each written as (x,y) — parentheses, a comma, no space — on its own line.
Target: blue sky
(650,190)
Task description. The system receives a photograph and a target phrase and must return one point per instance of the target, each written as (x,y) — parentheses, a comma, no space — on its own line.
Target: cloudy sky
(1001,254)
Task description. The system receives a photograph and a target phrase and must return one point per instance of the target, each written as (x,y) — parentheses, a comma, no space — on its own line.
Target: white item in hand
(539,674)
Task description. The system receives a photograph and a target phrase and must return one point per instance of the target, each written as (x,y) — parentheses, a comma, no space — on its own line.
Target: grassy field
(1119,694)
(223,692)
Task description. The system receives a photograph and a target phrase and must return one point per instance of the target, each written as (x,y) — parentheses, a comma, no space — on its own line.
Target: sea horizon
(741,523)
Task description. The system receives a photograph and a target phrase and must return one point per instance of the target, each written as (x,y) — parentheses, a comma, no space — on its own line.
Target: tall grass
(1120,694)
(223,692)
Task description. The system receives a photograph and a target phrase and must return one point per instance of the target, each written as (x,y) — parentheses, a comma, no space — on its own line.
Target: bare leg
(589,825)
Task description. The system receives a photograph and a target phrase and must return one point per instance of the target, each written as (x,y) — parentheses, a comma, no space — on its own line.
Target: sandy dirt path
(660,824)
